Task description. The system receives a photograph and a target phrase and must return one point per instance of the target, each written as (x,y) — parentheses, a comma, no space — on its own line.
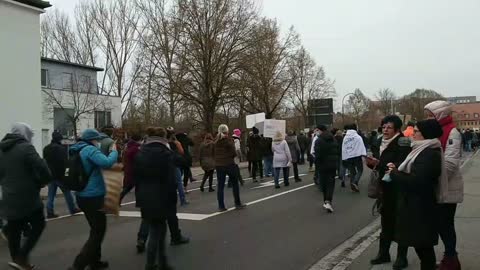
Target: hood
(154,139)
(10,140)
(78,146)
(439,108)
(351,132)
(24,130)
(291,139)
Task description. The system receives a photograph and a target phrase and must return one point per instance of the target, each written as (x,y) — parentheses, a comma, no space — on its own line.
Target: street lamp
(343,109)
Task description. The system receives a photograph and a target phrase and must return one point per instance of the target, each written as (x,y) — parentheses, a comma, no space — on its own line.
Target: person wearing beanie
(417,179)
(91,199)
(225,165)
(56,156)
(254,146)
(22,173)
(451,191)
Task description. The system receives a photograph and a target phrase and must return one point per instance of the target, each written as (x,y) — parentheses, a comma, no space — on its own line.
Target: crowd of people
(419,181)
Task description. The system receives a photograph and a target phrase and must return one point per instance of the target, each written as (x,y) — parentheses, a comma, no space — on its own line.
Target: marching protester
(55,154)
(207,161)
(254,145)
(132,148)
(338,135)
(176,147)
(311,160)
(468,140)
(326,162)
(267,154)
(409,131)
(315,135)
(187,143)
(295,152)
(450,192)
(394,148)
(22,174)
(282,159)
(303,143)
(237,134)
(91,199)
(225,165)
(154,171)
(106,142)
(353,151)
(417,179)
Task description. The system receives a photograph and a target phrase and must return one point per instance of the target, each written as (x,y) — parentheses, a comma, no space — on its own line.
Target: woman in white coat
(282,159)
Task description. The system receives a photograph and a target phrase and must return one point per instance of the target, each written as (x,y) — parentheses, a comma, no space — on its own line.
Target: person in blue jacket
(91,199)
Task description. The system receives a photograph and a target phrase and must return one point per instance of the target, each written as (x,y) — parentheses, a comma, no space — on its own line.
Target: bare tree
(212,40)
(265,67)
(358,105)
(386,101)
(310,82)
(78,103)
(414,102)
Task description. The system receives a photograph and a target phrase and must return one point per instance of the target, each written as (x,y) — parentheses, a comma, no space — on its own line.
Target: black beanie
(430,129)
(57,136)
(255,130)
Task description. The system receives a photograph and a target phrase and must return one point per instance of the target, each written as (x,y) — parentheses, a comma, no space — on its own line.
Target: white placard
(252,119)
(270,127)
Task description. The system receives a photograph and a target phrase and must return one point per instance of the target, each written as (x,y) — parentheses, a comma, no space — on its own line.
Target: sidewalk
(467,223)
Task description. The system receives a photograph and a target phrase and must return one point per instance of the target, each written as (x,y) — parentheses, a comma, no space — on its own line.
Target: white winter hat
(439,108)
(223,129)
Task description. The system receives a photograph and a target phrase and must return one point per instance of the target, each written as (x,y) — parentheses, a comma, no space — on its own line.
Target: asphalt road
(280,229)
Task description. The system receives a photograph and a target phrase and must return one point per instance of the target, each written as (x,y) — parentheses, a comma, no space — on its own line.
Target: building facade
(467,115)
(71,100)
(462,100)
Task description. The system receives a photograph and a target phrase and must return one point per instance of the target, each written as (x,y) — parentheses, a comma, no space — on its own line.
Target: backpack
(76,177)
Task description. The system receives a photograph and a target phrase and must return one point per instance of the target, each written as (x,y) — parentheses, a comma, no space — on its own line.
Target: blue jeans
(181,191)
(268,166)
(52,192)
(222,173)
(286,174)
(468,146)
(355,168)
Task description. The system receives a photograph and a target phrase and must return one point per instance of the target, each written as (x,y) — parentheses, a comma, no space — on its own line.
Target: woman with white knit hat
(450,191)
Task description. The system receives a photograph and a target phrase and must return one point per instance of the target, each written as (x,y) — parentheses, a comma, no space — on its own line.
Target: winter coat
(416,219)
(303,142)
(128,157)
(105,145)
(94,161)
(187,143)
(267,147)
(254,145)
(327,153)
(22,174)
(281,154)
(294,147)
(207,155)
(395,153)
(224,152)
(452,191)
(154,172)
(56,156)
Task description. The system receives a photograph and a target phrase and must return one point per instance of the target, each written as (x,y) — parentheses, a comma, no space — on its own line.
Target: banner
(253,119)
(270,127)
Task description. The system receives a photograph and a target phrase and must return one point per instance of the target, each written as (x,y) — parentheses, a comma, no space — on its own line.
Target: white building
(70,96)
(20,95)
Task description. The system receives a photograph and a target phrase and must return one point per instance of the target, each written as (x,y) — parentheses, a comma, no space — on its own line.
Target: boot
(401,262)
(450,263)
(383,253)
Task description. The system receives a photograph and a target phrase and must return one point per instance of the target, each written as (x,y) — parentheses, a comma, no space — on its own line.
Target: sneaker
(255,181)
(298,180)
(222,209)
(51,215)
(211,190)
(277,186)
(287,184)
(202,189)
(76,211)
(240,206)
(140,246)
(354,187)
(328,207)
(180,241)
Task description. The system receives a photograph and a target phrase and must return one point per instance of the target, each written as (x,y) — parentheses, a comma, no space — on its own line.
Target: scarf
(154,139)
(353,145)
(386,143)
(447,126)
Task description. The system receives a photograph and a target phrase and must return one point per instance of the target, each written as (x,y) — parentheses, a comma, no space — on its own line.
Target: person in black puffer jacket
(327,163)
(22,174)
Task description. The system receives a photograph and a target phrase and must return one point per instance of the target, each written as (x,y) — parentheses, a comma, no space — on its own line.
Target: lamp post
(343,109)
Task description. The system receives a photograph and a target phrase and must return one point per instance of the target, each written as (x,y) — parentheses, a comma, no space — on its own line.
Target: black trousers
(172,221)
(295,171)
(302,156)
(187,175)
(208,175)
(327,185)
(446,228)
(257,167)
(14,229)
(125,191)
(427,258)
(91,252)
(156,255)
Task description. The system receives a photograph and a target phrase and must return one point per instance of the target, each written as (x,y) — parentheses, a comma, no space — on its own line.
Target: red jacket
(132,149)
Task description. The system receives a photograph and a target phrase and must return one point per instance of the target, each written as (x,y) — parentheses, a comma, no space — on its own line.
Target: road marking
(272,182)
(342,256)
(185,216)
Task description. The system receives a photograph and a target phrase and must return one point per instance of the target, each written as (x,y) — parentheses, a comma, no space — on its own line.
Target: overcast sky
(373,44)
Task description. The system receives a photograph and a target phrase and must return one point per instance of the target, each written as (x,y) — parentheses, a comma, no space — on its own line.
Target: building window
(44,76)
(62,121)
(475,115)
(467,116)
(103,119)
(67,80)
(86,84)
